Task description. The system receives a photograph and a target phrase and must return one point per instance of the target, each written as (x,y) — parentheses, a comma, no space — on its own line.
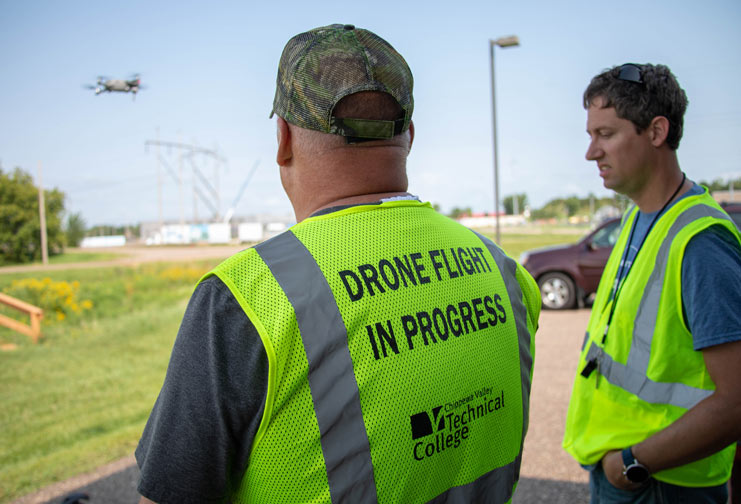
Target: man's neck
(661,187)
(358,199)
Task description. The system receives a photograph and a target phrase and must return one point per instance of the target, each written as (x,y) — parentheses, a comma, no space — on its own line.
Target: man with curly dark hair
(655,411)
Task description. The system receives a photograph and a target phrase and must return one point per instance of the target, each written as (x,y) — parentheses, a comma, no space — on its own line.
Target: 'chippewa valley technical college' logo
(422,423)
(451,424)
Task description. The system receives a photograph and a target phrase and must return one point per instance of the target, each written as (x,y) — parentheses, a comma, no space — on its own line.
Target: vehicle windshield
(606,236)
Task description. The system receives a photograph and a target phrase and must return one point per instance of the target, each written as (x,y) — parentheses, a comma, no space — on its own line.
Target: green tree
(75,229)
(563,208)
(509,203)
(459,212)
(20,229)
(721,185)
(573,204)
(110,230)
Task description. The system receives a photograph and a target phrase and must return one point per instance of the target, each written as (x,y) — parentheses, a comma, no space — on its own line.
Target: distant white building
(219,233)
(247,230)
(103,241)
(732,196)
(481,220)
(250,232)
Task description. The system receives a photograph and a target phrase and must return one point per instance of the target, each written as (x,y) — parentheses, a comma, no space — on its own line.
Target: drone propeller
(98,89)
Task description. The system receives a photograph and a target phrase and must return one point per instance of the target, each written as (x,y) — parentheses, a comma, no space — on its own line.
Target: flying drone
(106,85)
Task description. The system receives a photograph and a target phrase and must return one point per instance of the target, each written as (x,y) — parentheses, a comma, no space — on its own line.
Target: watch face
(637,473)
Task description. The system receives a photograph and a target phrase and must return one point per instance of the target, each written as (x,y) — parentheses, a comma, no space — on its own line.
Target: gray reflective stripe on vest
(676,394)
(648,310)
(334,389)
(508,269)
(494,486)
(632,375)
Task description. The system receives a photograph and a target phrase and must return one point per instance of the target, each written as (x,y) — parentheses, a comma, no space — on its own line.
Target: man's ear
(285,149)
(658,130)
(411,134)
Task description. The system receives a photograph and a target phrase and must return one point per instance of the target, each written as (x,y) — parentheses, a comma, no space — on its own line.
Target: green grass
(78,256)
(80,398)
(516,244)
(81,403)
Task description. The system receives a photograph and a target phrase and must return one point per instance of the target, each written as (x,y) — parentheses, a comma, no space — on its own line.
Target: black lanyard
(619,282)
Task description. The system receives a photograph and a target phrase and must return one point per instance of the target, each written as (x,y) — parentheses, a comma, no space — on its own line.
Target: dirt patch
(133,255)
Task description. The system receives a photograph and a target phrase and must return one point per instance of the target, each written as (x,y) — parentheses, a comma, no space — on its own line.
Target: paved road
(548,474)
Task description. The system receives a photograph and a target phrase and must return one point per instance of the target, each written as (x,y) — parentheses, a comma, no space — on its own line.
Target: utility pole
(730,191)
(216,179)
(42,221)
(503,42)
(159,183)
(195,189)
(180,188)
(591,207)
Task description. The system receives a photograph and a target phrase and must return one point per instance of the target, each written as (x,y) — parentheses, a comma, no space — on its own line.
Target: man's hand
(612,465)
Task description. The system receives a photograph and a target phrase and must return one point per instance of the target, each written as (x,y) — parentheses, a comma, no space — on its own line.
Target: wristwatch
(632,469)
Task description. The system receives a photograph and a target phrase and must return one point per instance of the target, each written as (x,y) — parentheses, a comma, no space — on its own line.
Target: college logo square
(422,423)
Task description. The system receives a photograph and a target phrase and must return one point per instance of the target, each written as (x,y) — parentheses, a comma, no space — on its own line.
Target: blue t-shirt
(711,270)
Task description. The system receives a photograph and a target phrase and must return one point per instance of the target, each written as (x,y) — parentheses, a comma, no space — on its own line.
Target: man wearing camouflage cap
(374,352)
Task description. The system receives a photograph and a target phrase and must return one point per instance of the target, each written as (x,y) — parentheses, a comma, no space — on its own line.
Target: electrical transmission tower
(203,189)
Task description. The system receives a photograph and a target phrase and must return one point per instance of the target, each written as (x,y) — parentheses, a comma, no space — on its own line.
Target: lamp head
(511,41)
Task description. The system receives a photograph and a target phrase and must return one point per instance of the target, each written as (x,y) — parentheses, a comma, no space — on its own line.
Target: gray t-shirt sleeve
(197,440)
(711,287)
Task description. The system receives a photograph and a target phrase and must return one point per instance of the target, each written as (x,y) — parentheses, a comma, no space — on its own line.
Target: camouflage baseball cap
(321,66)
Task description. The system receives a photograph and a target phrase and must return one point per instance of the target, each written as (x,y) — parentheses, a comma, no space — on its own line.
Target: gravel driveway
(549,474)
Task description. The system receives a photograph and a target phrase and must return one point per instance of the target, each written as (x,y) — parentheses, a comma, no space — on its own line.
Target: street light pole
(503,42)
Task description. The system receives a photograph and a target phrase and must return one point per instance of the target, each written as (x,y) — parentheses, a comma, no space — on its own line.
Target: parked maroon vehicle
(569,274)
(734,210)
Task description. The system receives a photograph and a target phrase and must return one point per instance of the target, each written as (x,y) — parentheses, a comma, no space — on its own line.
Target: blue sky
(210,76)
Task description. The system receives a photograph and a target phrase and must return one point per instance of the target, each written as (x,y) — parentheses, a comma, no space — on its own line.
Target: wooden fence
(32,330)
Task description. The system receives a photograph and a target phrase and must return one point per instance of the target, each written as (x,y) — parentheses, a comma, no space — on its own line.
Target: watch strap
(628,458)
(632,469)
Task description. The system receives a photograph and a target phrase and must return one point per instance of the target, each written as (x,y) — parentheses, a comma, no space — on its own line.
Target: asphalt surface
(548,474)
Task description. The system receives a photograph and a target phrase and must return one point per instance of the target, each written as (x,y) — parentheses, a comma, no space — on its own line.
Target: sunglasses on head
(630,72)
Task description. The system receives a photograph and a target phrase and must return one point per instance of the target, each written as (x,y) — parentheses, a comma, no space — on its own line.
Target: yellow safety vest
(648,373)
(400,352)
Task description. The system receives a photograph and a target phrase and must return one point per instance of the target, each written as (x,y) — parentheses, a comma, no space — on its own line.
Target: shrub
(59,300)
(182,274)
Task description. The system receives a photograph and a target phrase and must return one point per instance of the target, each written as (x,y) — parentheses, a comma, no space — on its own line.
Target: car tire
(557,291)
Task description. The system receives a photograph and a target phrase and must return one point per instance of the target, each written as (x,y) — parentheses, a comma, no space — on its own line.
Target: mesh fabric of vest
(604,417)
(475,374)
